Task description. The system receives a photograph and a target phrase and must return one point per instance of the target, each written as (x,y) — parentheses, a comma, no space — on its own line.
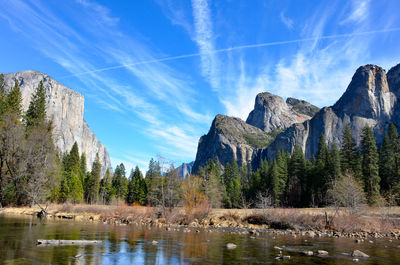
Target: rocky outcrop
(368,100)
(184,170)
(65,108)
(230,138)
(272,113)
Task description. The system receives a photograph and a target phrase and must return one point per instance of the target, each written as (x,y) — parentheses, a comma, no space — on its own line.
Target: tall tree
(136,188)
(106,188)
(296,179)
(3,105)
(389,159)
(231,179)
(212,184)
(370,168)
(120,182)
(93,181)
(14,100)
(348,152)
(36,112)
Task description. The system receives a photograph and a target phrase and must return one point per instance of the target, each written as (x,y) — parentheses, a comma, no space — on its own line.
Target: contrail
(241,47)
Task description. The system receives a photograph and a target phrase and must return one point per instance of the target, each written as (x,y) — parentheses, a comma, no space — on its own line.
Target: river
(134,245)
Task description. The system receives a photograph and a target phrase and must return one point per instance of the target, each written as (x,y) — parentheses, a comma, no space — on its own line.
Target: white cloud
(359,11)
(285,20)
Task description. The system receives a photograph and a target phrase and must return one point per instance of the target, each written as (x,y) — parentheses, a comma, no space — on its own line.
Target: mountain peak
(271,112)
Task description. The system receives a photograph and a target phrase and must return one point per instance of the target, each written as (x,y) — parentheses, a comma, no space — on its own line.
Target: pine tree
(212,183)
(370,167)
(36,112)
(296,180)
(106,188)
(135,187)
(231,179)
(119,182)
(93,181)
(348,153)
(75,186)
(82,168)
(389,159)
(14,100)
(3,96)
(334,165)
(72,161)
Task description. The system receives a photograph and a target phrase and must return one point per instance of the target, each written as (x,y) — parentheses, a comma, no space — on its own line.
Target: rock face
(184,169)
(368,100)
(272,113)
(230,138)
(65,108)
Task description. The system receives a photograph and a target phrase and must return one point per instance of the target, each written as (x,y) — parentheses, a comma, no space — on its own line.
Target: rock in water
(358,253)
(231,246)
(65,107)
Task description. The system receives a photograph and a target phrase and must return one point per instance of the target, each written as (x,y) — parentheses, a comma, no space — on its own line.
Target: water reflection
(133,245)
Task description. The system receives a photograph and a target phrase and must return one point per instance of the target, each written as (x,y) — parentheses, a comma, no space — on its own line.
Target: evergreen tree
(106,188)
(231,179)
(119,182)
(295,186)
(72,161)
(14,100)
(93,181)
(3,96)
(82,168)
(320,176)
(75,186)
(334,163)
(370,167)
(348,153)
(36,112)
(389,159)
(279,175)
(136,187)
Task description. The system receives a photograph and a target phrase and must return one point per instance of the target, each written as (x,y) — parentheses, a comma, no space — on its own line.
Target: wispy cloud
(359,11)
(67,47)
(286,21)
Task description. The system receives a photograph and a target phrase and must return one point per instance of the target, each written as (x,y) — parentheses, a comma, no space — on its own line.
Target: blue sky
(154,73)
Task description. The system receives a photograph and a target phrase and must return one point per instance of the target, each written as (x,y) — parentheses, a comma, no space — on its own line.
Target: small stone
(154,242)
(197,231)
(308,253)
(371,241)
(322,252)
(356,260)
(358,253)
(231,246)
(278,248)
(285,257)
(357,241)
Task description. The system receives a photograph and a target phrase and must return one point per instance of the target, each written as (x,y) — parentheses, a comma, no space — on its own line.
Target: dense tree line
(32,170)
(293,181)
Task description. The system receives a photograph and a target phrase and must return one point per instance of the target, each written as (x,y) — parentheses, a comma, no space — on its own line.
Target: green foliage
(93,182)
(137,190)
(370,168)
(348,153)
(3,96)
(106,190)
(120,182)
(213,188)
(14,100)
(231,180)
(36,112)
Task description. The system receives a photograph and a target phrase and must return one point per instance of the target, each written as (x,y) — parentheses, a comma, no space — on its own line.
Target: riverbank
(309,222)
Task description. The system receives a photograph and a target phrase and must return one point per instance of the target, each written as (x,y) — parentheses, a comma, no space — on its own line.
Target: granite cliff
(370,99)
(65,108)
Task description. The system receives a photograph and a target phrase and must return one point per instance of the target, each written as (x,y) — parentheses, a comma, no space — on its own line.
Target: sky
(154,73)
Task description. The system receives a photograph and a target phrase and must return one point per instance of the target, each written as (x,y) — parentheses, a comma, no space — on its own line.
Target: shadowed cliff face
(65,108)
(230,138)
(368,100)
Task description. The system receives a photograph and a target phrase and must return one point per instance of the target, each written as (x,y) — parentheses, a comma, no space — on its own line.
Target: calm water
(133,245)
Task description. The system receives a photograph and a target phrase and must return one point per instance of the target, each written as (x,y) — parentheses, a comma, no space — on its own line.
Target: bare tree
(346,192)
